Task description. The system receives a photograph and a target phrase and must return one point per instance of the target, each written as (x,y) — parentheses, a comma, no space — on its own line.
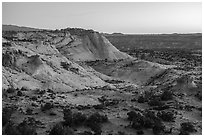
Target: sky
(129,18)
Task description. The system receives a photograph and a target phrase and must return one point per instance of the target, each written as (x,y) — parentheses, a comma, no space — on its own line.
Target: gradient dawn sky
(172,17)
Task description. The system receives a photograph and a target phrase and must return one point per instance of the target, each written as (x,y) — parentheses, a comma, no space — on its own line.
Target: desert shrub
(6,44)
(166,116)
(94,122)
(158,128)
(73,119)
(141,99)
(138,120)
(97,118)
(96,128)
(86,133)
(199,95)
(140,132)
(19,93)
(65,65)
(78,118)
(149,94)
(11,129)
(67,116)
(167,95)
(34,98)
(187,126)
(11,90)
(150,119)
(41,92)
(75,70)
(183,132)
(121,133)
(46,106)
(27,127)
(6,115)
(147,119)
(29,111)
(24,89)
(155,102)
(60,129)
(131,115)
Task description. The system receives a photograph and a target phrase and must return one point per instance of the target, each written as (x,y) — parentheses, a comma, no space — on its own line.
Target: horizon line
(109,33)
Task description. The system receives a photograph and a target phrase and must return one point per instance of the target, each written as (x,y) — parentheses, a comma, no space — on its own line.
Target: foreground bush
(186,128)
(11,129)
(6,115)
(146,119)
(73,119)
(27,127)
(158,128)
(60,129)
(94,122)
(23,128)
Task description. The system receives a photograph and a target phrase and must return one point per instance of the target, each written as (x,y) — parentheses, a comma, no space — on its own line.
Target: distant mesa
(18,28)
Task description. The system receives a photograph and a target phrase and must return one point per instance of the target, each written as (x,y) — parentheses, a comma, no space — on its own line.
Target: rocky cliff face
(45,59)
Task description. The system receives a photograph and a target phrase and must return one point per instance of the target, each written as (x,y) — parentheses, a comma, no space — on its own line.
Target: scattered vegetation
(167,116)
(60,129)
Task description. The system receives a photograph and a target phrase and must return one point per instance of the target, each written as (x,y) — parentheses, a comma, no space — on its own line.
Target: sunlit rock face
(40,60)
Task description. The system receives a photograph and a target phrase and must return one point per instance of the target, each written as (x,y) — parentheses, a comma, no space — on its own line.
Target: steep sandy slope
(88,47)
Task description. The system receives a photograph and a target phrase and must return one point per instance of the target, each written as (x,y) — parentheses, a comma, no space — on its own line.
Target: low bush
(155,102)
(158,128)
(78,118)
(6,115)
(94,122)
(46,106)
(27,127)
(140,132)
(73,119)
(166,116)
(11,90)
(11,129)
(97,118)
(19,93)
(147,119)
(132,115)
(187,127)
(65,65)
(167,95)
(60,129)
(141,99)
(67,116)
